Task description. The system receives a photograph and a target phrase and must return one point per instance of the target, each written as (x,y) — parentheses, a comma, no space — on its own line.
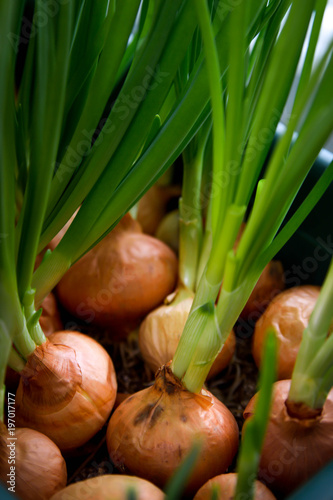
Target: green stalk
(324,389)
(196,324)
(255,427)
(32,317)
(309,57)
(234,110)
(99,92)
(12,319)
(285,175)
(206,350)
(298,217)
(213,73)
(278,79)
(190,216)
(53,42)
(127,105)
(98,213)
(314,359)
(15,362)
(207,291)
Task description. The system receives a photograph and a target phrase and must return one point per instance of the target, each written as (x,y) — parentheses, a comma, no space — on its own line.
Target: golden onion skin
(152,431)
(67,389)
(120,280)
(288,315)
(294,449)
(160,332)
(109,487)
(227,486)
(40,469)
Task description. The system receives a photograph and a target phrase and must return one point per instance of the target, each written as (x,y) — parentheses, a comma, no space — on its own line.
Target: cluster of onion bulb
(68,386)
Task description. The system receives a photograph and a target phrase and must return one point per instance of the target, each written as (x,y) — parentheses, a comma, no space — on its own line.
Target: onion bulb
(120,280)
(294,448)
(288,315)
(37,466)
(226,485)
(108,487)
(67,389)
(161,330)
(152,431)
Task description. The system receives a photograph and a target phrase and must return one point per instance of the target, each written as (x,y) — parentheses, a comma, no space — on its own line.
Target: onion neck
(302,411)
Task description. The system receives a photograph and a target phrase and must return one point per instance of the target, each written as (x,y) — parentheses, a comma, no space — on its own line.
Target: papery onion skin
(227,484)
(152,431)
(288,315)
(119,281)
(108,487)
(67,389)
(40,469)
(161,330)
(294,449)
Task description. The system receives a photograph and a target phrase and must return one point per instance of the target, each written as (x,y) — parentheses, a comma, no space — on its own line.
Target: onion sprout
(274,193)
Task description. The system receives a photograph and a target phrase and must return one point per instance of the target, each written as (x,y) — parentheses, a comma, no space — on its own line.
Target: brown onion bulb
(39,468)
(270,284)
(226,484)
(67,389)
(152,431)
(294,449)
(288,315)
(120,280)
(160,332)
(108,487)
